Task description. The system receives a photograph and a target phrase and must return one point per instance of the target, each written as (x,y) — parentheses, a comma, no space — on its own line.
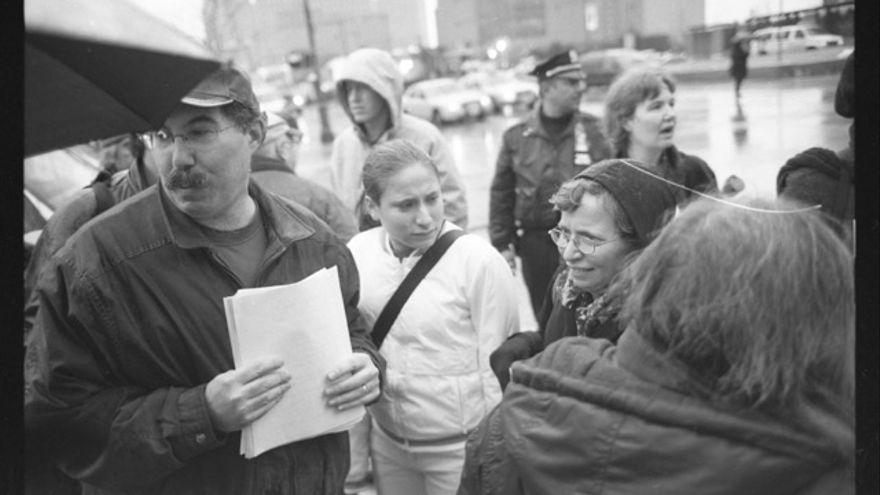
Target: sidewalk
(771,66)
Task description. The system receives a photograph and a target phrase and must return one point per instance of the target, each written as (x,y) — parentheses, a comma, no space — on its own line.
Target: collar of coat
(282,223)
(534,126)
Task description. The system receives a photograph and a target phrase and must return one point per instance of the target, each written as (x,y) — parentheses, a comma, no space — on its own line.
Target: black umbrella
(95,69)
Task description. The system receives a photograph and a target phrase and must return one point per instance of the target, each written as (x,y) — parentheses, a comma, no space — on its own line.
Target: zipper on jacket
(217,261)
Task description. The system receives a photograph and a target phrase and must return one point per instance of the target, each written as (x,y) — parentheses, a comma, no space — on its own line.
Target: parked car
(445,100)
(506,89)
(602,66)
(791,38)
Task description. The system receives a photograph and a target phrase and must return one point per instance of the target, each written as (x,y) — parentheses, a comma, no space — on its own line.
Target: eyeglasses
(198,136)
(583,244)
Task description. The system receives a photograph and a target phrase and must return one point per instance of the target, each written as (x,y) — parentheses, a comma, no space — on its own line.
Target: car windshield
(442,88)
(815,31)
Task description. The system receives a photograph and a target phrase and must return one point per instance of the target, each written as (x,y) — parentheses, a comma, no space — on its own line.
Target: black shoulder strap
(410,282)
(103,196)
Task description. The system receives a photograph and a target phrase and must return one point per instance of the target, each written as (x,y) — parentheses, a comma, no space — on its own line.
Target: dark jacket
(132,328)
(530,168)
(555,321)
(276,176)
(688,170)
(739,55)
(584,417)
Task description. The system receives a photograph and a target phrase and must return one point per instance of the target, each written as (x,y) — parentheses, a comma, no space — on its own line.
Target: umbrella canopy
(95,69)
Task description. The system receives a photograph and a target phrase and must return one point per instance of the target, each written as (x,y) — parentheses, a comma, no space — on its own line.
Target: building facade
(259,33)
(583,24)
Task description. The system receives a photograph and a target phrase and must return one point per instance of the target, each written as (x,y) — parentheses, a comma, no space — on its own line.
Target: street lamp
(326,133)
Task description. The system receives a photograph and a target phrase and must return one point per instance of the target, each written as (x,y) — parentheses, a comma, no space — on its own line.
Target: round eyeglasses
(583,244)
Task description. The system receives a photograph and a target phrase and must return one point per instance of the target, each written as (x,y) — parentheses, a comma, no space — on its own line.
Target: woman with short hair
(735,373)
(609,212)
(640,122)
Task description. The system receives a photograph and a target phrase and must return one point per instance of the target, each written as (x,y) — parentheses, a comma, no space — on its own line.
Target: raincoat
(586,417)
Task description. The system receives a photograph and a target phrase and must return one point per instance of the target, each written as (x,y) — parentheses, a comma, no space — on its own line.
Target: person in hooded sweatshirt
(370,88)
(723,385)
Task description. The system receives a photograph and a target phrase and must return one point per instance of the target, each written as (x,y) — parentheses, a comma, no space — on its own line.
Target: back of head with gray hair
(761,305)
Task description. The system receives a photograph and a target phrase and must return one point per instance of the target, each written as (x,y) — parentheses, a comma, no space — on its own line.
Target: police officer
(545,149)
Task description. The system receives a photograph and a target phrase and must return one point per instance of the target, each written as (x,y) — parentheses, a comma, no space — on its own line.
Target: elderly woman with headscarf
(640,122)
(735,373)
(608,213)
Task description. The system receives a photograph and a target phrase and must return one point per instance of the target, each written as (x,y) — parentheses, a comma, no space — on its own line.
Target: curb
(765,72)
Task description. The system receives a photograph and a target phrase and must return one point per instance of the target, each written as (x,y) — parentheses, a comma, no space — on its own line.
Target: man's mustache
(184,180)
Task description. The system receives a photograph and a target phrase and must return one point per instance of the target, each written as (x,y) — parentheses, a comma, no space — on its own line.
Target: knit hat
(646,200)
(818,176)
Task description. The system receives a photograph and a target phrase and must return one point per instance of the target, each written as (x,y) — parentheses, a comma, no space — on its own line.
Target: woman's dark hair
(386,160)
(626,93)
(760,305)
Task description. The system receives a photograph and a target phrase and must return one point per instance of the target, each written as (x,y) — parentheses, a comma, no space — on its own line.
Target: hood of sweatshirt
(378,70)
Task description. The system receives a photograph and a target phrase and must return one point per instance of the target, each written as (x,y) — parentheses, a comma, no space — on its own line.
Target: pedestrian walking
(370,89)
(438,384)
(735,373)
(609,212)
(136,389)
(739,58)
(551,145)
(640,121)
(273,167)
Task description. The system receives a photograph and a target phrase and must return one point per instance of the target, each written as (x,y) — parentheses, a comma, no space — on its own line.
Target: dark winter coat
(276,176)
(583,417)
(738,61)
(131,328)
(690,171)
(555,321)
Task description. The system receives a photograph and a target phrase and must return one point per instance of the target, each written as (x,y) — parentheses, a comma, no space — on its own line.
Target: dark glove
(519,346)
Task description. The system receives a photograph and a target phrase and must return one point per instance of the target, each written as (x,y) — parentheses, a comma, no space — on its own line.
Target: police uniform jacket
(531,166)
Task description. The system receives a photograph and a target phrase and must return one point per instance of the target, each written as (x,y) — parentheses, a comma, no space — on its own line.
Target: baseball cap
(222,88)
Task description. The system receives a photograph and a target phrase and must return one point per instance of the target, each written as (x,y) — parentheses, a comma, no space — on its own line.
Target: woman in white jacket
(438,382)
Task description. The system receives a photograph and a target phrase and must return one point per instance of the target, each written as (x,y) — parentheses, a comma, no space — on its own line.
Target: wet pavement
(776,120)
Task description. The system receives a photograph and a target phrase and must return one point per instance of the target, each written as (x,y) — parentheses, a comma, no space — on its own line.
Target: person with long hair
(609,212)
(735,373)
(640,122)
(438,384)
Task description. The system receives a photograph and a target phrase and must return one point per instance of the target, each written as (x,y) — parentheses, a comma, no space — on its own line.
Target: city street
(779,119)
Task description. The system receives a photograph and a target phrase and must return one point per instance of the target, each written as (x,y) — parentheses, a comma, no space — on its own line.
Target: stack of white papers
(304,324)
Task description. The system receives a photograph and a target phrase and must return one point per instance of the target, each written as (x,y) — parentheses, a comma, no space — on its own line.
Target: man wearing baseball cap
(136,390)
(538,154)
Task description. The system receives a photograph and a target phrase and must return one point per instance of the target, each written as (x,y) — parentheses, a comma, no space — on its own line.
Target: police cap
(565,63)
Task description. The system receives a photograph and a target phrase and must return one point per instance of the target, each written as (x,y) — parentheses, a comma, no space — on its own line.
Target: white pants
(359,445)
(407,470)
